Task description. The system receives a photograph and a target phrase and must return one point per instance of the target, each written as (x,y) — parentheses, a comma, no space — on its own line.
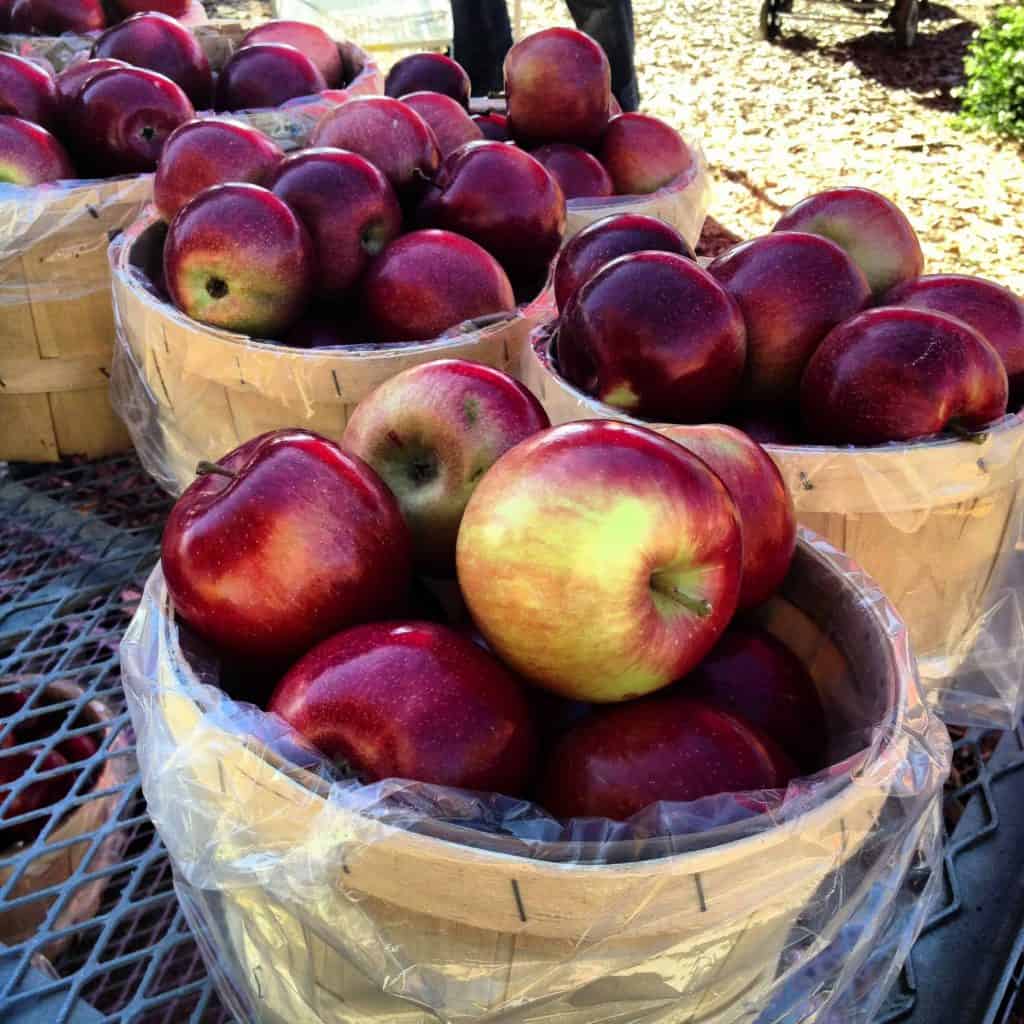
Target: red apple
(451,125)
(122,119)
(428,281)
(73,79)
(79,748)
(766,425)
(429,72)
(995,312)
(600,560)
(314,42)
(753,675)
(238,257)
(32,797)
(55,17)
(655,335)
(764,503)
(159,43)
(643,154)
(390,135)
(559,86)
(286,541)
(349,209)
(30,155)
(492,126)
(505,200)
(871,228)
(27,91)
(792,289)
(265,75)
(200,154)
(432,432)
(175,8)
(579,174)
(624,759)
(895,374)
(412,700)
(606,239)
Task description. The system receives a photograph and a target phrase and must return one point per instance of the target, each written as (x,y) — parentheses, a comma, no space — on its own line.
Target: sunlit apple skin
(238,257)
(27,91)
(995,312)
(871,228)
(762,498)
(655,335)
(578,173)
(30,155)
(642,154)
(429,72)
(349,209)
(547,102)
(493,126)
(896,374)
(201,154)
(303,541)
(266,75)
(412,700)
(432,432)
(314,42)
(621,760)
(792,289)
(451,125)
(600,560)
(55,17)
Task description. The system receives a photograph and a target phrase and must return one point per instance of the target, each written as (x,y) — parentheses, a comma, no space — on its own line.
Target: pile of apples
(460,594)
(54,17)
(821,332)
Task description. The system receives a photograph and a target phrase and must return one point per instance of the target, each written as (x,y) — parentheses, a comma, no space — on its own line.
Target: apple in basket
(285,541)
(600,560)
(36,795)
(30,155)
(451,125)
(314,42)
(579,174)
(432,432)
(175,8)
(55,17)
(266,75)
(643,154)
(493,126)
(74,78)
(895,374)
(412,700)
(26,90)
(429,72)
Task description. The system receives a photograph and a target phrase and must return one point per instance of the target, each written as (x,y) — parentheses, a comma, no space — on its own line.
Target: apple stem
(205,468)
(959,430)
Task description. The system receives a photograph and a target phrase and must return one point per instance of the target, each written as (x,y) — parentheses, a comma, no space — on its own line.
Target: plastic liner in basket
(938,523)
(318,899)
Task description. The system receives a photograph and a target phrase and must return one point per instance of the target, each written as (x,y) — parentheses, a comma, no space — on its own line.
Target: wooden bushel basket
(190,392)
(935,523)
(321,914)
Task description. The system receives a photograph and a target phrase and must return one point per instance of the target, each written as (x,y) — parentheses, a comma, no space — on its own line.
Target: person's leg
(483,36)
(610,22)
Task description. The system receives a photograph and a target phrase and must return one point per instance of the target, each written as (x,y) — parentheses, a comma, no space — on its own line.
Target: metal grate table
(109,943)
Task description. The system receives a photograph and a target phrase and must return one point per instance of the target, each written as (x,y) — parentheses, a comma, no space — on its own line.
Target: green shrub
(993,96)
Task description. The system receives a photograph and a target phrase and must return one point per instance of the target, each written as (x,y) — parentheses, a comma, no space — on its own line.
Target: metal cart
(903,16)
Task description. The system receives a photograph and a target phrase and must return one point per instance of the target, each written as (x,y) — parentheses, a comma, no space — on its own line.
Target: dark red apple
(653,334)
(349,209)
(32,797)
(412,700)
(5,15)
(55,17)
(175,8)
(766,425)
(286,541)
(762,498)
(451,125)
(159,43)
(74,78)
(30,155)
(895,374)
(314,42)
(753,675)
(643,154)
(995,312)
(792,289)
(27,91)
(579,174)
(621,760)
(322,331)
(390,135)
(428,281)
(79,748)
(605,240)
(238,257)
(429,72)
(266,75)
(201,154)
(492,126)
(503,199)
(123,117)
(559,87)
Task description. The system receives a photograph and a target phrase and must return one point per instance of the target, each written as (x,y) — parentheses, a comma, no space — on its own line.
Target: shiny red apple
(451,125)
(30,155)
(266,75)
(314,42)
(74,78)
(429,72)
(27,91)
(287,540)
(643,154)
(579,174)
(492,126)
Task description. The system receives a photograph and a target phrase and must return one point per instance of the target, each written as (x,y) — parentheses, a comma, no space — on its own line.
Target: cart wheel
(770,23)
(905,17)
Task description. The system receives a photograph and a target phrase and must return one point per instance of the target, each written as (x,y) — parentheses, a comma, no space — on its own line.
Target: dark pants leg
(483,36)
(610,22)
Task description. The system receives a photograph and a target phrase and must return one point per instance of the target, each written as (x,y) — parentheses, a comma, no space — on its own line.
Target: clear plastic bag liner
(188,392)
(938,523)
(318,898)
